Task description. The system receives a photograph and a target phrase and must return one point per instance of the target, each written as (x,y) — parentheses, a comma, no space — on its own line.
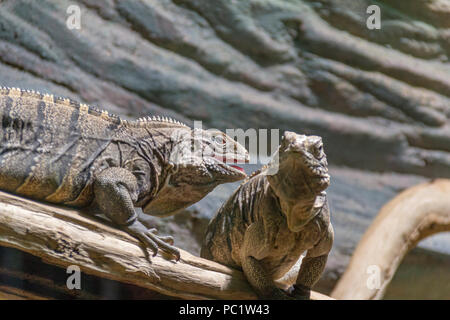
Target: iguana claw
(151,240)
(300,292)
(279,294)
(154,232)
(164,243)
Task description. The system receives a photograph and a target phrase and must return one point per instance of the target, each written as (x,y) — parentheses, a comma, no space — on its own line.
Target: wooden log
(64,237)
(11,293)
(414,214)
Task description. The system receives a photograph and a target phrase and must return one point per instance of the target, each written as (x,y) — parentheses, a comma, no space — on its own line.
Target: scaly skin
(275,216)
(60,151)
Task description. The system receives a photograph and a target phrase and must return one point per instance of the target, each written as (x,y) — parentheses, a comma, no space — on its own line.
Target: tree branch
(414,214)
(63,237)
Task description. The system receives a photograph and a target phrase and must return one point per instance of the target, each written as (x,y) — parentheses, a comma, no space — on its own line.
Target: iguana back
(48,145)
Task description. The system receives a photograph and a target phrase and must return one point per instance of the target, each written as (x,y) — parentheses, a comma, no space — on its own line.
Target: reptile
(63,152)
(273,217)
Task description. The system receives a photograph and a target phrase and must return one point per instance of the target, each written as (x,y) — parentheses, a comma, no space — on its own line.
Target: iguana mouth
(229,163)
(238,168)
(319,172)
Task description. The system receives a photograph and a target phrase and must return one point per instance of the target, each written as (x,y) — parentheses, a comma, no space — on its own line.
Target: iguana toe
(300,292)
(167,239)
(144,238)
(151,240)
(279,294)
(164,243)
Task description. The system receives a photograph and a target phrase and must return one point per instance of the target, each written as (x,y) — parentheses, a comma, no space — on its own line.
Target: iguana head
(298,175)
(199,161)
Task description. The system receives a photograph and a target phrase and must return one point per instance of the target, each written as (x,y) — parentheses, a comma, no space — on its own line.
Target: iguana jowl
(63,152)
(275,216)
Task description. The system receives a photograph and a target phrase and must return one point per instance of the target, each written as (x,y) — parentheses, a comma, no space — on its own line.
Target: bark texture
(65,237)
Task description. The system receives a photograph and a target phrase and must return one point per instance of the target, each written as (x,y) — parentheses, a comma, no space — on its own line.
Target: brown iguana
(273,217)
(64,152)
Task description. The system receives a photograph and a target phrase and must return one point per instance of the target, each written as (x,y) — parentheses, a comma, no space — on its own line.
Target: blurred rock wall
(379,98)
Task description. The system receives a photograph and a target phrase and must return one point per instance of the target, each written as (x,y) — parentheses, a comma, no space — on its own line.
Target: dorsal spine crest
(254,173)
(49,98)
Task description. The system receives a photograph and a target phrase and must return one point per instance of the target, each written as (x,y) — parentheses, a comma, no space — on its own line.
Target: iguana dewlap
(275,216)
(60,151)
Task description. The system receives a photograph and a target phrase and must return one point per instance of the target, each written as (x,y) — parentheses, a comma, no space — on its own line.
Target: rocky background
(379,98)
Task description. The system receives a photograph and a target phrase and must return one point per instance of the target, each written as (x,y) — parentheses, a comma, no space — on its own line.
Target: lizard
(273,217)
(64,152)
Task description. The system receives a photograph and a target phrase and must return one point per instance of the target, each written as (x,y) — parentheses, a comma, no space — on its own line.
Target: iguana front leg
(313,265)
(115,191)
(310,271)
(253,250)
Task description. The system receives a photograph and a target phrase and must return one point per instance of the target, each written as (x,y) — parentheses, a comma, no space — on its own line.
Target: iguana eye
(219,140)
(317,151)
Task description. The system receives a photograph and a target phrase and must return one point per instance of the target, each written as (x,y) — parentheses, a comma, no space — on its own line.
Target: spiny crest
(50,98)
(155,120)
(255,173)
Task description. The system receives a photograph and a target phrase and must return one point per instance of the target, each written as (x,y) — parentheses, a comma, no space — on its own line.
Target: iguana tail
(414,214)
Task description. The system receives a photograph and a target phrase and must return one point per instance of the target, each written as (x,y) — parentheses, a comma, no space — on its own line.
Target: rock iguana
(63,152)
(273,217)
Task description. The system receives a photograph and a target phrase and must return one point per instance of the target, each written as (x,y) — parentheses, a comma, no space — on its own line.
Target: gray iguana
(63,152)
(280,212)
